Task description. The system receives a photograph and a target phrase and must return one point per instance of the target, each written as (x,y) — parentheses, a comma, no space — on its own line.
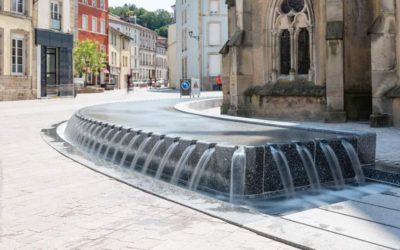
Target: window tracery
(292,38)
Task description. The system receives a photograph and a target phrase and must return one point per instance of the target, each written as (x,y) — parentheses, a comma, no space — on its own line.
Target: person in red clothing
(218,81)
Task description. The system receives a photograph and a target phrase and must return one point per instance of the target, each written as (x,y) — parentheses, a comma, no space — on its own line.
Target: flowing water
(334,165)
(284,171)
(139,152)
(355,161)
(309,164)
(118,147)
(200,168)
(151,155)
(111,144)
(182,163)
(128,149)
(238,174)
(165,159)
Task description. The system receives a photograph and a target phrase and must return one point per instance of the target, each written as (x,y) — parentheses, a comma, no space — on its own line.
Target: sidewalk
(50,202)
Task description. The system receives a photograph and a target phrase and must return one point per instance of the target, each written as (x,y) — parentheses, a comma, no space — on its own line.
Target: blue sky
(147,4)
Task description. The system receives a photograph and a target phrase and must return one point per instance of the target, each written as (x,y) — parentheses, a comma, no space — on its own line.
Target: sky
(150,5)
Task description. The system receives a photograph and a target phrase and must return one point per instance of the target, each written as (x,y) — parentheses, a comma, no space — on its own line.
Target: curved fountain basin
(139,135)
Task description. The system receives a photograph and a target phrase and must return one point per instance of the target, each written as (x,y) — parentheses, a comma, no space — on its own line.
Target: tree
(88,58)
(163,31)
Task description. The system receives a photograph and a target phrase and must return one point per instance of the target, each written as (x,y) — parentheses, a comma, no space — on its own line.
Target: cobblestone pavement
(50,202)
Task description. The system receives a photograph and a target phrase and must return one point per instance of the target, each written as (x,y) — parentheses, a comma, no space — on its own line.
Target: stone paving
(50,202)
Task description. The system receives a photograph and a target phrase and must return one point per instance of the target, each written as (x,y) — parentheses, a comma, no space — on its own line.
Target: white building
(173,81)
(162,59)
(54,44)
(201,31)
(131,30)
(147,53)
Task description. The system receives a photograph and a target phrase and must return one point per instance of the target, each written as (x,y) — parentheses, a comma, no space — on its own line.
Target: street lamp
(193,36)
(200,58)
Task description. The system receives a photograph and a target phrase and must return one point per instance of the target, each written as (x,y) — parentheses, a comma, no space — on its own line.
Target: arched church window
(291,24)
(285,52)
(303,52)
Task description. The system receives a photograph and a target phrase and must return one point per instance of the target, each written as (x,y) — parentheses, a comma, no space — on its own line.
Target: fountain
(200,168)
(309,164)
(355,161)
(234,172)
(153,151)
(281,162)
(238,174)
(165,158)
(182,163)
(333,164)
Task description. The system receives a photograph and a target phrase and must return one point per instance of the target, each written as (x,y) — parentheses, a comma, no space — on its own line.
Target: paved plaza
(50,202)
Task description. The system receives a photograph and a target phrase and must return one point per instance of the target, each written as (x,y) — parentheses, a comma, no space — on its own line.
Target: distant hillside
(156,20)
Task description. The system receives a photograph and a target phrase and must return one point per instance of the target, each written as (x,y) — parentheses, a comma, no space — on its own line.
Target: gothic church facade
(331,60)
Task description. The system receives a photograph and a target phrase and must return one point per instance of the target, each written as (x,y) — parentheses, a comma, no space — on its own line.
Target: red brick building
(93,24)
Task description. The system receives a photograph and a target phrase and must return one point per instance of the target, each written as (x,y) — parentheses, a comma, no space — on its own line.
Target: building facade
(54,44)
(132,30)
(334,60)
(172,53)
(162,59)
(17,53)
(92,24)
(147,53)
(119,58)
(201,31)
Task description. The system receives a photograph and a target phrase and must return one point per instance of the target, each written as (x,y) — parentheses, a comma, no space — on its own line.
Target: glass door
(52,72)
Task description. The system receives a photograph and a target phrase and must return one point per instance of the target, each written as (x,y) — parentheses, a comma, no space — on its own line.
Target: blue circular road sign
(185,85)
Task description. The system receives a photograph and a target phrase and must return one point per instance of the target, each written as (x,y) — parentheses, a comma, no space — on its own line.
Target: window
(214,34)
(214,7)
(102,4)
(292,48)
(18,6)
(17,55)
(102,26)
(304,52)
(214,65)
(55,15)
(84,22)
(285,52)
(94,24)
(94,3)
(55,10)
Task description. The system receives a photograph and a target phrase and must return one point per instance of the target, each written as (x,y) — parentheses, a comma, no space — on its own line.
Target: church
(313,60)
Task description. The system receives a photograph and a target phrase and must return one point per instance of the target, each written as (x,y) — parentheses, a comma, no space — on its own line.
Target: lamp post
(200,57)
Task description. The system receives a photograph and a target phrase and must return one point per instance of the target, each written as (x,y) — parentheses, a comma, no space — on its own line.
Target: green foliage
(87,57)
(163,31)
(155,20)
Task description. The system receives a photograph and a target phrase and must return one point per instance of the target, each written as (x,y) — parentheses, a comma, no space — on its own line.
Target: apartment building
(17,55)
(119,58)
(147,53)
(162,59)
(93,25)
(202,30)
(132,30)
(54,43)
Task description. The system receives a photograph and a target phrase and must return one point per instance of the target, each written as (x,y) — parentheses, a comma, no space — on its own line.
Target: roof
(119,32)
(113,18)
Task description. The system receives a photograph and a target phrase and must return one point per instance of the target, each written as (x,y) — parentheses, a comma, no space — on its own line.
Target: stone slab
(387,201)
(366,212)
(394,192)
(370,232)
